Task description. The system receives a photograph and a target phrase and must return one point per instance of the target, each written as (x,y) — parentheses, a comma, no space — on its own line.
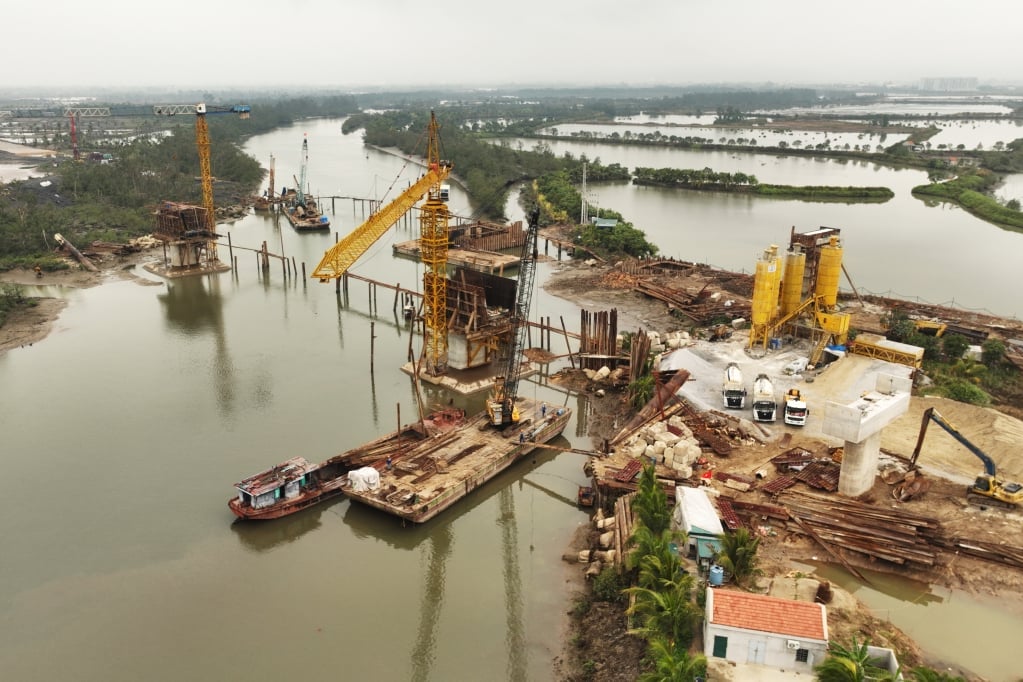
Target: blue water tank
(717,576)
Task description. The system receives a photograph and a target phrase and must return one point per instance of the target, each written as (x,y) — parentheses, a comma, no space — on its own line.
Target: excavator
(501,406)
(988,489)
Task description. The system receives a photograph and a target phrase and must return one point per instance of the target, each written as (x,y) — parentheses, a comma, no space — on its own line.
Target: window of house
(802,655)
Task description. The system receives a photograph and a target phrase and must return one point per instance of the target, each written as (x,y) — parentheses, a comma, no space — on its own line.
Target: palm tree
(924,674)
(651,504)
(850,665)
(738,555)
(667,611)
(671,665)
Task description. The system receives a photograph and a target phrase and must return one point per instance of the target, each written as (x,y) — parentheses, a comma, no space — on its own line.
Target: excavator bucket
(913,485)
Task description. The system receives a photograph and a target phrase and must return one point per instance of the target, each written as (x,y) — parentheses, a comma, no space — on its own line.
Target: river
(126,428)
(905,248)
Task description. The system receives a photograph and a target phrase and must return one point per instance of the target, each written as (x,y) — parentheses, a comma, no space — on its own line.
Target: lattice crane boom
(433,241)
(501,404)
(300,190)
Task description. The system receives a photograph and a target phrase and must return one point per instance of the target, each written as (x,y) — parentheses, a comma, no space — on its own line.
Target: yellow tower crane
(202,140)
(433,241)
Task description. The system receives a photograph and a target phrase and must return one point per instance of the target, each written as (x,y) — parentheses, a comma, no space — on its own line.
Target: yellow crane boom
(341,256)
(433,247)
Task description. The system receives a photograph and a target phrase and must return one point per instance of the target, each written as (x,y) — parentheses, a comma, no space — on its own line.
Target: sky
(393,44)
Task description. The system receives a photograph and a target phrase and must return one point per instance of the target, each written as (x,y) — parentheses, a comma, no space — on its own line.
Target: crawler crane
(501,403)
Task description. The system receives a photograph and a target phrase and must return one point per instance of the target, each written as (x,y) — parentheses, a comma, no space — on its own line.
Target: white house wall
(750,646)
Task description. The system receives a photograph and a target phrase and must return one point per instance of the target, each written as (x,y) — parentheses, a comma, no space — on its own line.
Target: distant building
(605,223)
(967,84)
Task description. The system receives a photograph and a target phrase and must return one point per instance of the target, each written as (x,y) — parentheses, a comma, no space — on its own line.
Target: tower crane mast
(433,240)
(202,140)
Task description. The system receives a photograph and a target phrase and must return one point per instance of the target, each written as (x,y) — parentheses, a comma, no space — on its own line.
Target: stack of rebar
(896,536)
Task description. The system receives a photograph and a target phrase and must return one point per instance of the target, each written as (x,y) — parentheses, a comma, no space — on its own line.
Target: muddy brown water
(125,429)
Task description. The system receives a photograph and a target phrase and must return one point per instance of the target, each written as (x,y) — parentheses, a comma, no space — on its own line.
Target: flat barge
(428,477)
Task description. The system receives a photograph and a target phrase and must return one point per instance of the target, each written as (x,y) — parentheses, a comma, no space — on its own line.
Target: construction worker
(543,409)
(38,271)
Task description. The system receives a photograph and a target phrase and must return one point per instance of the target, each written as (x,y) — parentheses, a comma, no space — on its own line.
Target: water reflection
(262,536)
(943,622)
(194,306)
(436,542)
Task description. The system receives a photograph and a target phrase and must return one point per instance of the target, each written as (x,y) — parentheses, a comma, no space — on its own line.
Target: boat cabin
(284,481)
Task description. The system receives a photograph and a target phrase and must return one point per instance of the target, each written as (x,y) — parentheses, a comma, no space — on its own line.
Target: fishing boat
(296,484)
(288,487)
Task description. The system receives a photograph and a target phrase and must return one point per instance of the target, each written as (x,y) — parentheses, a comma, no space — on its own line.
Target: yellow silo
(766,282)
(829,271)
(792,282)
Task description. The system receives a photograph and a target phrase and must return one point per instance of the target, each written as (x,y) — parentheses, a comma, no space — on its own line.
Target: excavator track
(979,500)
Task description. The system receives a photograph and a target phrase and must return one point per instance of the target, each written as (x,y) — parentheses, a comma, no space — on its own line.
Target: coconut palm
(650,503)
(738,555)
(850,665)
(925,674)
(671,665)
(666,612)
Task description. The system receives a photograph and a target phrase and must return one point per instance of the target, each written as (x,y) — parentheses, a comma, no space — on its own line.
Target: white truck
(765,405)
(733,392)
(795,409)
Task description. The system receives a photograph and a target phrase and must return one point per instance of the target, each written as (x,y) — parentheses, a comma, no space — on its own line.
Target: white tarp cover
(694,512)
(366,478)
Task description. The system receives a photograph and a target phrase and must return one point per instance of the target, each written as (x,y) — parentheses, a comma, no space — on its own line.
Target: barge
(295,484)
(425,479)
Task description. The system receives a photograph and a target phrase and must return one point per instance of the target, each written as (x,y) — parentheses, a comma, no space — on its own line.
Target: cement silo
(766,282)
(792,280)
(829,270)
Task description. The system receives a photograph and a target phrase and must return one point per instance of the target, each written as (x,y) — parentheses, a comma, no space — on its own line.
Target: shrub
(965,392)
(607,586)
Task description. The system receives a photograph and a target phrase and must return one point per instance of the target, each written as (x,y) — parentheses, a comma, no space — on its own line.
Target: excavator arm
(932,415)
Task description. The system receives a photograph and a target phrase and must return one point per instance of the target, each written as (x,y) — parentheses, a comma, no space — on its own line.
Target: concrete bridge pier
(859,423)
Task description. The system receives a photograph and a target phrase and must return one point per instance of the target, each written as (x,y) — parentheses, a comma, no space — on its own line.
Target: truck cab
(765,406)
(733,393)
(795,408)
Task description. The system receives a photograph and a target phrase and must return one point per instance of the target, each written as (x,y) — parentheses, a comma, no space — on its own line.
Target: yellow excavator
(988,489)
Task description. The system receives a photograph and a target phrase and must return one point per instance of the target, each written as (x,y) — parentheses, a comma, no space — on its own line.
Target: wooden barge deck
(490,262)
(431,476)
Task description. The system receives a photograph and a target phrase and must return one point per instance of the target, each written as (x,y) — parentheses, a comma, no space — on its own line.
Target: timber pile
(894,536)
(701,308)
(624,523)
(989,551)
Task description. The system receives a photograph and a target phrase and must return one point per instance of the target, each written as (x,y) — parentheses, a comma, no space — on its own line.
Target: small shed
(605,223)
(695,515)
(753,628)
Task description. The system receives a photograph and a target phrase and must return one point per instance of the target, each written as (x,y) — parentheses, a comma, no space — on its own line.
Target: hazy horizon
(397,45)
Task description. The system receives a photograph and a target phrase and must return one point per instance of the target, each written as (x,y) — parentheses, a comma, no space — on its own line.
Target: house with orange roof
(754,628)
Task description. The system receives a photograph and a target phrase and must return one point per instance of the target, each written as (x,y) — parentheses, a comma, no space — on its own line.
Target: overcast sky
(396,43)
